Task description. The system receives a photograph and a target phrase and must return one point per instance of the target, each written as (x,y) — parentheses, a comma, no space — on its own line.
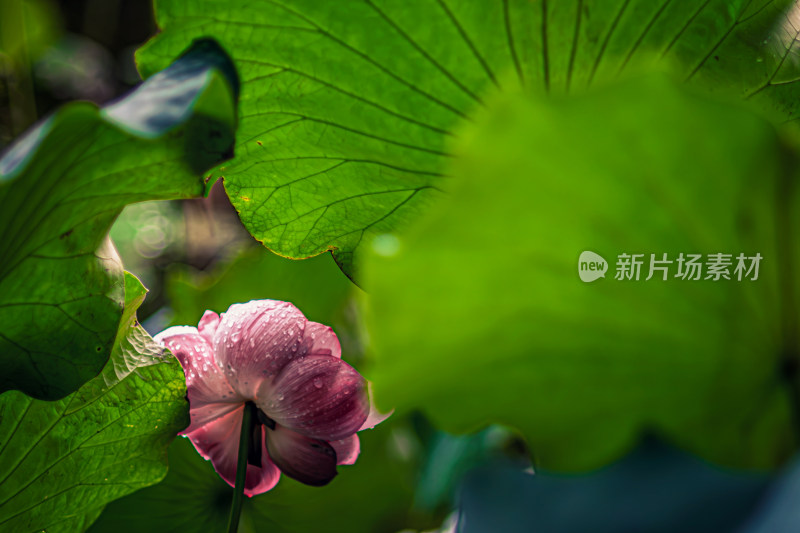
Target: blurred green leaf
(348,107)
(655,489)
(39,28)
(778,512)
(480,316)
(63,183)
(449,457)
(63,461)
(315,286)
(373,495)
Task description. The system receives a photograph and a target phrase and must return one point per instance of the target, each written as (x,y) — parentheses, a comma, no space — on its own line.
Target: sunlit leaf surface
(62,462)
(349,107)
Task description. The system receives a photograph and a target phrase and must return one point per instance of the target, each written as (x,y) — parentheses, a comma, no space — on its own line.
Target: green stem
(248,425)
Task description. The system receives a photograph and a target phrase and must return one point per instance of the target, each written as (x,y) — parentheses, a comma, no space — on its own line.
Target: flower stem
(248,425)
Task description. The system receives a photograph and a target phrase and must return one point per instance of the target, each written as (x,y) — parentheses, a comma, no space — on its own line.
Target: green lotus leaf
(62,185)
(63,461)
(348,108)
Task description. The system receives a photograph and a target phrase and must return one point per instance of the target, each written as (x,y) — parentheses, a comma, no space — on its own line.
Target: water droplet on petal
(317,383)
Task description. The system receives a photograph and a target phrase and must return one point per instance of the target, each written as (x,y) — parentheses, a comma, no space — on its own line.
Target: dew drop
(317,383)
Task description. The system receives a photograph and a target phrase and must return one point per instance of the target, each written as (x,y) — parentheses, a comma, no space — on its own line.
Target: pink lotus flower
(311,403)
